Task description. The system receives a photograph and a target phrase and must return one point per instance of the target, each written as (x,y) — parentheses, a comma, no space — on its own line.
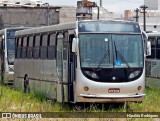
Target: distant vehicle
(84,61)
(7,51)
(153,61)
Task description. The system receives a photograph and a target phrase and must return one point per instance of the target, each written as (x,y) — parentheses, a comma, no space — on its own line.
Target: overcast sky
(117,6)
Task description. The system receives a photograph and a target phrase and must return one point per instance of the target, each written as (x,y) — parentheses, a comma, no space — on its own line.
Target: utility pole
(100,3)
(137,16)
(144,7)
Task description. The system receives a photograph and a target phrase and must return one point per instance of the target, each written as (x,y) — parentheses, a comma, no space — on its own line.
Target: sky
(116,6)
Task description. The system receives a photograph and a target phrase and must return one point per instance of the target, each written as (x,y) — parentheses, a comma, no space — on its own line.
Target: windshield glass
(108,26)
(10,48)
(110,50)
(93,48)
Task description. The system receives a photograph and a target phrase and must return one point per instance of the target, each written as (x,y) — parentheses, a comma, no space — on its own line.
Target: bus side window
(65,43)
(36,47)
(19,40)
(153,47)
(16,46)
(30,47)
(51,47)
(158,49)
(43,48)
(24,47)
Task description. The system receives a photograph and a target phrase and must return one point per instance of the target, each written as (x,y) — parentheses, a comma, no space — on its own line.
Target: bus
(7,51)
(83,61)
(153,61)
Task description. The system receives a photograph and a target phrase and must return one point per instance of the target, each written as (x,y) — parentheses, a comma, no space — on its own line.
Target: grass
(16,101)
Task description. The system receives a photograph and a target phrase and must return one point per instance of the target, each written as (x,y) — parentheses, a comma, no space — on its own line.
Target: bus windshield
(10,48)
(110,50)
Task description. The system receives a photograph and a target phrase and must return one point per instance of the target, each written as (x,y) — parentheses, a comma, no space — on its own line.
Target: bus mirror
(74,45)
(148,53)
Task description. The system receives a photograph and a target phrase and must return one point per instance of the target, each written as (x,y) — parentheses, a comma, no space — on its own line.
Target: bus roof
(42,29)
(13,28)
(63,27)
(153,34)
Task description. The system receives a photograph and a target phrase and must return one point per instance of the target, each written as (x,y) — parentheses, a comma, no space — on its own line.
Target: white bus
(153,61)
(7,42)
(84,61)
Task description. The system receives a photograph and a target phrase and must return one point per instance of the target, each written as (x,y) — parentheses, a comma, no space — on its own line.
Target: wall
(30,17)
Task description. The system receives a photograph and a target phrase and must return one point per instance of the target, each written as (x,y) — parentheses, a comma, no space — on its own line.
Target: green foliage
(16,101)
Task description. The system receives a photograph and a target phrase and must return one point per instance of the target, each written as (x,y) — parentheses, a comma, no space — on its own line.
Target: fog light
(139,88)
(10,77)
(86,88)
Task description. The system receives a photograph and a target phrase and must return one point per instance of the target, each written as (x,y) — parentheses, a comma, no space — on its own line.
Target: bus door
(2,58)
(59,67)
(71,70)
(1,54)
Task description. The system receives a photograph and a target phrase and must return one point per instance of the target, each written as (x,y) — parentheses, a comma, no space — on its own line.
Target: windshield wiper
(121,56)
(101,61)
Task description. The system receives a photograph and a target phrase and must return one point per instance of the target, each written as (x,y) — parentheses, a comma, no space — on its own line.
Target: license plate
(114,90)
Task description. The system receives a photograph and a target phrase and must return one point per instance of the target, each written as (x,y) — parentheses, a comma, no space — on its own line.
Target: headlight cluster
(134,74)
(92,74)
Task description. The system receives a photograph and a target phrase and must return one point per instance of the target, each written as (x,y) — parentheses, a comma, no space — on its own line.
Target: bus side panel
(62,89)
(36,83)
(153,71)
(42,76)
(51,76)
(19,74)
(153,68)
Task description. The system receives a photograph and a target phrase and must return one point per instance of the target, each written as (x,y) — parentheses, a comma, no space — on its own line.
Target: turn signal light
(86,88)
(139,88)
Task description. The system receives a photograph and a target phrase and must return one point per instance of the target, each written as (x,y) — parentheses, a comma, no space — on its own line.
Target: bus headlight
(134,74)
(92,74)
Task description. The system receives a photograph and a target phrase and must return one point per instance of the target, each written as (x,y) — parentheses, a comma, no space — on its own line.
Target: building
(13,16)
(68,14)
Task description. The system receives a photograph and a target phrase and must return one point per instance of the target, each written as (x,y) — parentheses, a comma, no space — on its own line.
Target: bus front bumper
(110,98)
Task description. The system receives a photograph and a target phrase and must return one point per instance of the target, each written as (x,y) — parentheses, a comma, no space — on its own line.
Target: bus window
(19,47)
(158,49)
(30,41)
(16,46)
(44,40)
(10,50)
(30,47)
(43,48)
(153,47)
(24,47)
(37,41)
(36,47)
(51,47)
(10,33)
(24,41)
